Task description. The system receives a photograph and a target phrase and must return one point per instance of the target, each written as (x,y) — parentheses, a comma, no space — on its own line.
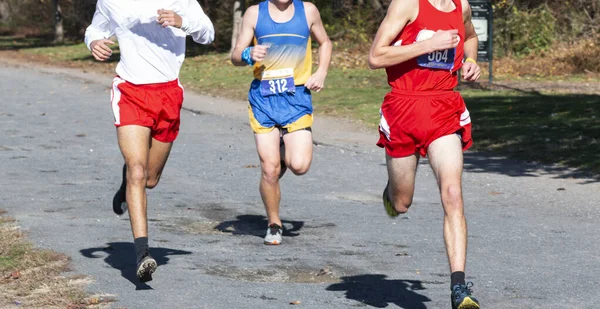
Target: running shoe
(119,201)
(146,267)
(387,203)
(461,297)
(274,233)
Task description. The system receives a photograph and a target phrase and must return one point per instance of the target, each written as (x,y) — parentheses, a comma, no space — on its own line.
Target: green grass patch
(546,128)
(562,129)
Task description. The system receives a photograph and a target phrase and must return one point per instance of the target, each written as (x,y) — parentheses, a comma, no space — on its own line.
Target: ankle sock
(457,277)
(141,246)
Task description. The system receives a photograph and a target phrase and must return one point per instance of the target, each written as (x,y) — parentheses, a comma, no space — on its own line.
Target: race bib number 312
(277,81)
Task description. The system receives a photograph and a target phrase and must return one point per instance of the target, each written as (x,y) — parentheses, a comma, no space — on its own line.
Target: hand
(259,52)
(444,39)
(100,49)
(471,71)
(168,18)
(316,82)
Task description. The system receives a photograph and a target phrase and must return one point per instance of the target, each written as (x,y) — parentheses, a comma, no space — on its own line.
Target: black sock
(141,246)
(457,277)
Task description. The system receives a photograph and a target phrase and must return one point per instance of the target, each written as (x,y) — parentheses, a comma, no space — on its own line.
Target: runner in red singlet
(422,44)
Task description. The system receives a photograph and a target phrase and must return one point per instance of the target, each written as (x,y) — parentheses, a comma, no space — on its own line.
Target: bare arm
(245,36)
(470,70)
(471,40)
(399,14)
(317,81)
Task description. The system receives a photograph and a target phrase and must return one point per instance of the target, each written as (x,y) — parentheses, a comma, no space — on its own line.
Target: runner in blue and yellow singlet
(275,38)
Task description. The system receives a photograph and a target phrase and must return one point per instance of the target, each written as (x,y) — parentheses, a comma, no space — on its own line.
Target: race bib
(439,59)
(277,81)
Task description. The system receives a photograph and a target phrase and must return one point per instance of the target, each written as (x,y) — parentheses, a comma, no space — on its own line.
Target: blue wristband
(246,56)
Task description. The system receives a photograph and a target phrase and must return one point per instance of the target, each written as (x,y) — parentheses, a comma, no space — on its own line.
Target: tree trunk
(4,13)
(341,7)
(377,6)
(238,7)
(59,32)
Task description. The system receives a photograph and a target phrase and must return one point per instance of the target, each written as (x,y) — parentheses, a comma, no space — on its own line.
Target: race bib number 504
(439,59)
(277,81)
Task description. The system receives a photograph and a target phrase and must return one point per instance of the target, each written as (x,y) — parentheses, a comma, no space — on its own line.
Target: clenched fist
(100,49)
(168,18)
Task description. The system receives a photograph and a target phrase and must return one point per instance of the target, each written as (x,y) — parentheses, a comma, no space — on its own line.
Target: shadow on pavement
(121,256)
(256,225)
(553,134)
(377,291)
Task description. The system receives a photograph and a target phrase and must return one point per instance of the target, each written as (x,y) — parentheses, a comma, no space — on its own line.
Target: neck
(281,6)
(440,3)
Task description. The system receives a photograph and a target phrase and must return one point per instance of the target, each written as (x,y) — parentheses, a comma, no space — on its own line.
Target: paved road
(533,234)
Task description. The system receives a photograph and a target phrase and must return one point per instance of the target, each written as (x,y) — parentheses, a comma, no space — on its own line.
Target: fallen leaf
(296,302)
(495,193)
(251,166)
(15,275)
(561,189)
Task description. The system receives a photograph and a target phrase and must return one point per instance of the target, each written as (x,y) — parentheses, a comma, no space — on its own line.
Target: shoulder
(252,10)
(309,8)
(466,8)
(311,12)
(403,9)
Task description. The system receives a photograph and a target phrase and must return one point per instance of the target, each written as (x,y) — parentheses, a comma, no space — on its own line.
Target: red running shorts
(156,106)
(411,121)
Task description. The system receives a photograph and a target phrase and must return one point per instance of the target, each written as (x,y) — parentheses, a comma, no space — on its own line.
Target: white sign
(481,28)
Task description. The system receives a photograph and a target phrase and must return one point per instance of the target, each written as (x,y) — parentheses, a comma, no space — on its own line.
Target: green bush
(520,33)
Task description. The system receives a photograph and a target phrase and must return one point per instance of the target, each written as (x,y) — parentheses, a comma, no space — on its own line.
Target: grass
(541,127)
(31,277)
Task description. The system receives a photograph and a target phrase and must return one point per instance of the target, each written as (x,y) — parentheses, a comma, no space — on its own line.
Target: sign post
(482,18)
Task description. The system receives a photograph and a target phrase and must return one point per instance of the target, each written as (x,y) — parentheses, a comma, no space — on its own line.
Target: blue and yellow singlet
(277,95)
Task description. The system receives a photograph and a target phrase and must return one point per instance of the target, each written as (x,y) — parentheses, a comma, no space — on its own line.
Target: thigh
(134,142)
(298,148)
(267,146)
(446,159)
(401,173)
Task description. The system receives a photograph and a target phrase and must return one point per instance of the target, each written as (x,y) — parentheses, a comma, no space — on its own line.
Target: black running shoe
(461,297)
(119,201)
(146,267)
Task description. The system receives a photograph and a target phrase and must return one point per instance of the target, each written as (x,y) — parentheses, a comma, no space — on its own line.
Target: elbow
(211,34)
(374,63)
(205,37)
(236,58)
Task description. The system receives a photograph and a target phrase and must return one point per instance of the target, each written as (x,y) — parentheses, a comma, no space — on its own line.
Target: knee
(152,181)
(300,170)
(136,174)
(402,203)
(270,173)
(299,167)
(452,198)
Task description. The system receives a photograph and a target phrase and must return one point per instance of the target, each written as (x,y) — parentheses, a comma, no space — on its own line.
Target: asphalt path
(533,230)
